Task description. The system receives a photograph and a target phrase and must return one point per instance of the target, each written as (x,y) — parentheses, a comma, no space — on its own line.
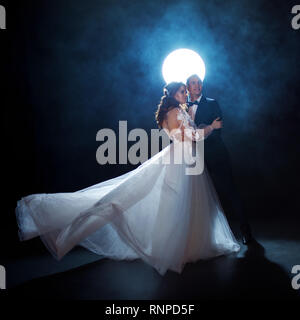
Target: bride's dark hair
(167,101)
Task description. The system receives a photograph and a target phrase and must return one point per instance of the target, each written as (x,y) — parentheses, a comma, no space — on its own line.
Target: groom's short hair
(192,76)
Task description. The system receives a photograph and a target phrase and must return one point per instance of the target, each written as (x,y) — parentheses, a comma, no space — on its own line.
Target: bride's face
(181,95)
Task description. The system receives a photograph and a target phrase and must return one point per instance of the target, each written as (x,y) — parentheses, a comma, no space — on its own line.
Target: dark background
(73,67)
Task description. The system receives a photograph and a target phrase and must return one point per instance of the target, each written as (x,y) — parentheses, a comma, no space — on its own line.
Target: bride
(156,212)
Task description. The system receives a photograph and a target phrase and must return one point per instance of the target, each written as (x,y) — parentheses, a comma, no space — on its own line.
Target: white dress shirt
(192,109)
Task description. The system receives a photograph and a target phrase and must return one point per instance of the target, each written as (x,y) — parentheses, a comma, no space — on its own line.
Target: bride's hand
(217,123)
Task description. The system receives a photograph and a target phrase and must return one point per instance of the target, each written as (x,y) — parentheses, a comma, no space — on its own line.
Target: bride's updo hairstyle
(167,101)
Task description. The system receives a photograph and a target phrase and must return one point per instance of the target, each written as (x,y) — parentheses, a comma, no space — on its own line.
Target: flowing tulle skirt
(156,212)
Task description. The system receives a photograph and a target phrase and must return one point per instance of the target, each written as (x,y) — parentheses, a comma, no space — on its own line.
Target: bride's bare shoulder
(173,113)
(171,119)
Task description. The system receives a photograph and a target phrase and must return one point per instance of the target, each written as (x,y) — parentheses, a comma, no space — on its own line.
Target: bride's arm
(208,129)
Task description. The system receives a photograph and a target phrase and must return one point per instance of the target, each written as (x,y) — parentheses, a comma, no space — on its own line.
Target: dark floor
(260,271)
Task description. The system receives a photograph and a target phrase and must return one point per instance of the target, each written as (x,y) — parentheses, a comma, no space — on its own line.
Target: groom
(217,160)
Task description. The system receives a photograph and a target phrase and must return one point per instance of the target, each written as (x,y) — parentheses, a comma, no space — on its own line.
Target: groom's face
(195,86)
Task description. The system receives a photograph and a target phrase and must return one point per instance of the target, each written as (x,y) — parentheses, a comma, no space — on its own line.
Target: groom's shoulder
(209,100)
(213,103)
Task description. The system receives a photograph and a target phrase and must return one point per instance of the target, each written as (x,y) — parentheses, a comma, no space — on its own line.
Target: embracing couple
(205,113)
(155,212)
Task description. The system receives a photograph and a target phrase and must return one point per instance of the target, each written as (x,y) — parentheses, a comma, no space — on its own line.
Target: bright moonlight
(182,63)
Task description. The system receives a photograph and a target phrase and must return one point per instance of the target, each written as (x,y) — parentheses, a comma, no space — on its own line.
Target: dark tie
(192,103)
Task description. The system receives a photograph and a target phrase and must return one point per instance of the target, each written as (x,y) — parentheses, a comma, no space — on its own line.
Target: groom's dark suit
(217,161)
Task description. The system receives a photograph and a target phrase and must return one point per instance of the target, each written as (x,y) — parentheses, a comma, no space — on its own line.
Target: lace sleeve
(208,129)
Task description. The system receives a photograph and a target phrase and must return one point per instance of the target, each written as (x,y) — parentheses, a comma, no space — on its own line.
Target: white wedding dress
(156,212)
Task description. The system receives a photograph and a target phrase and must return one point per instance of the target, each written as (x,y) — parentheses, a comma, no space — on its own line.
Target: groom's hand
(217,123)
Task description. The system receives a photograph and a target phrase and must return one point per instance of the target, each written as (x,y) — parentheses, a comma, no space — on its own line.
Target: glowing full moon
(182,63)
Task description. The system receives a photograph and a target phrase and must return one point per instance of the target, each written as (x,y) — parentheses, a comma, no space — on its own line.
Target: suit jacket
(207,111)
(215,151)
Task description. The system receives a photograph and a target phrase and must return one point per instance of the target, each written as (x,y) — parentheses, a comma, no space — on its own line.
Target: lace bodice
(187,129)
